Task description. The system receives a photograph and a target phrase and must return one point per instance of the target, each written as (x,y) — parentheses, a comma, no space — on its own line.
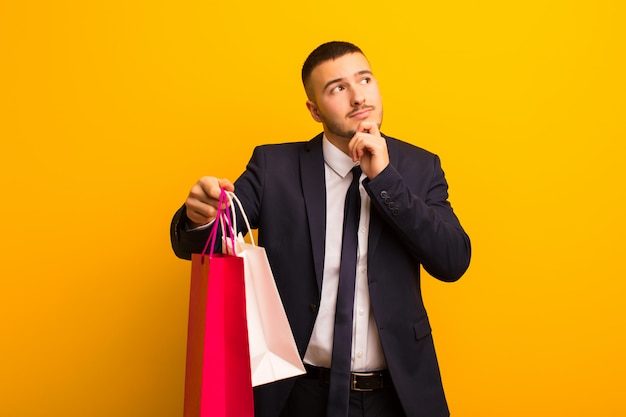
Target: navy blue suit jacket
(412,224)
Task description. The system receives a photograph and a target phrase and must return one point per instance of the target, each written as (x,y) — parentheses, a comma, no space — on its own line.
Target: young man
(295,194)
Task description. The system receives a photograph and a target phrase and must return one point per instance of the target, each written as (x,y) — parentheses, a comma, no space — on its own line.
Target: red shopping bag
(217,380)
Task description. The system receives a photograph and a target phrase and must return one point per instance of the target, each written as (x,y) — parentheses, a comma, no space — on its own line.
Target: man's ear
(314,111)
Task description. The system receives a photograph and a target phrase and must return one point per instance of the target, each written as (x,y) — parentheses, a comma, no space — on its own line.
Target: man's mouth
(361,113)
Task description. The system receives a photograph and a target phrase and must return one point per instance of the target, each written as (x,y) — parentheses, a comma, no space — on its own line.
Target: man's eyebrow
(336,80)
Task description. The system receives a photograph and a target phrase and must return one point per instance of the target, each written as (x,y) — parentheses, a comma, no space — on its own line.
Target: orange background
(111,110)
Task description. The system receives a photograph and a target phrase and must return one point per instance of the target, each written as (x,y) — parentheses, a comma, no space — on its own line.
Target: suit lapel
(314,188)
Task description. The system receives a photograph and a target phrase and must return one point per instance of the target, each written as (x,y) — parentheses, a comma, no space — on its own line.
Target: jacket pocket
(421,328)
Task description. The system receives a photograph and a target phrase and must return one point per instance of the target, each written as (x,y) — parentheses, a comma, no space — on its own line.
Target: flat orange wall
(110,111)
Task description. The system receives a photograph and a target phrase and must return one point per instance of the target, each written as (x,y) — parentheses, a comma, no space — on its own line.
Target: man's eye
(366,80)
(337,89)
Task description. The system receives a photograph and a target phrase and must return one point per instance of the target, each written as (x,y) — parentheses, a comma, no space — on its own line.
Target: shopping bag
(217,380)
(273,351)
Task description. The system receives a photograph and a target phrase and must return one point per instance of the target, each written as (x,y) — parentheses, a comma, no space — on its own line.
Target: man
(295,194)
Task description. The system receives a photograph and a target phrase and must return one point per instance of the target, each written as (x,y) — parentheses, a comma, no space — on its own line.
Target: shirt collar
(338,161)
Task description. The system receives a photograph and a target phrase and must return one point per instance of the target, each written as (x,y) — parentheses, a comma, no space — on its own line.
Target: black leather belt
(359,381)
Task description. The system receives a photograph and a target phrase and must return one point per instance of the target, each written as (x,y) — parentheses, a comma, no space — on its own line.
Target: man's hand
(369,147)
(203,200)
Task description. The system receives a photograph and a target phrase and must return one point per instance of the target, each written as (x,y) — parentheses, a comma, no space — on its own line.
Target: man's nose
(358,98)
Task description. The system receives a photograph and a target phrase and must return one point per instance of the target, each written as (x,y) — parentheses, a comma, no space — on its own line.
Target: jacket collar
(314,190)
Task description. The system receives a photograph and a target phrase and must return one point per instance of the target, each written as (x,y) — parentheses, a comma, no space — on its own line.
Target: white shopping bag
(273,351)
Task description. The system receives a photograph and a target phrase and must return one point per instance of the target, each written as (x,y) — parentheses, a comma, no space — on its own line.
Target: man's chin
(350,134)
(344,134)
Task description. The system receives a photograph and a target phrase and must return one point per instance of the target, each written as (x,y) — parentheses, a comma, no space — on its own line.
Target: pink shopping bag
(218,380)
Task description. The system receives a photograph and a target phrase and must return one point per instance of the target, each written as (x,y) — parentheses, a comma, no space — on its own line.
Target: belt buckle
(354,377)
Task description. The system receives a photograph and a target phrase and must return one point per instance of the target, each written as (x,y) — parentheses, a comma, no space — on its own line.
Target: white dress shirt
(367,353)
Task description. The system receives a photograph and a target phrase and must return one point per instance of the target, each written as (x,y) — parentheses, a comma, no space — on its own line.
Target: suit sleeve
(415,204)
(185,242)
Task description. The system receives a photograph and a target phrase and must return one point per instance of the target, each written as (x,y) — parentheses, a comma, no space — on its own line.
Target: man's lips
(361,113)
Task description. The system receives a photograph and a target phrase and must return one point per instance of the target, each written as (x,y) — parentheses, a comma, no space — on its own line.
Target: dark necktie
(339,390)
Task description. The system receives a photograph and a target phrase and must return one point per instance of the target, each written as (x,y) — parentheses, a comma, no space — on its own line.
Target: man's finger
(369,127)
(226,184)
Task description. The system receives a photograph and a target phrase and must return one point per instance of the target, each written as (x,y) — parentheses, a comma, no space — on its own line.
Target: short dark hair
(326,52)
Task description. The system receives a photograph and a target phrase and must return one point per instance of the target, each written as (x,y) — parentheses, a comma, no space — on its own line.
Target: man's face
(342,94)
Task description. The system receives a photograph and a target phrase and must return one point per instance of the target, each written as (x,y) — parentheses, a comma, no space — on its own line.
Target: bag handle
(232,200)
(222,219)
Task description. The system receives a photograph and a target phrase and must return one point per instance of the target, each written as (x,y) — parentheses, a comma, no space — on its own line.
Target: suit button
(384,194)
(392,205)
(313,308)
(395,211)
